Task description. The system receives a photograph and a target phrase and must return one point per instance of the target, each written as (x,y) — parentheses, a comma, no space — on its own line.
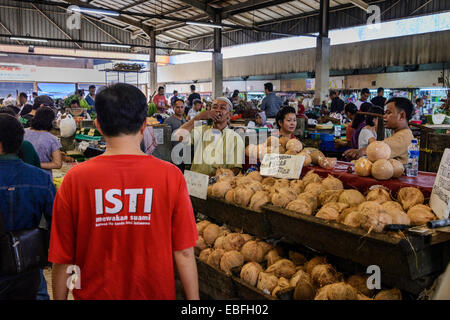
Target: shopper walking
(364,97)
(379,100)
(123,218)
(271,104)
(194,95)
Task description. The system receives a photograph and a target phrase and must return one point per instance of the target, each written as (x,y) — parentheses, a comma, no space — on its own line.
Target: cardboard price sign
(282,166)
(197,184)
(440,196)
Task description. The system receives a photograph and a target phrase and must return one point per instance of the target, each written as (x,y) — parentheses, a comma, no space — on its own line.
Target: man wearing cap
(215,145)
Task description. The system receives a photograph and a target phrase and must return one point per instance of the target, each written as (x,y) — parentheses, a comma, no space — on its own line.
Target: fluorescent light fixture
(180,51)
(28,39)
(96,11)
(3,55)
(281,34)
(63,58)
(434,89)
(203,24)
(115,45)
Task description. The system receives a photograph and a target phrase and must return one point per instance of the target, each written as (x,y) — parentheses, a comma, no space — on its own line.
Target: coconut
(300,206)
(359,282)
(399,217)
(327,214)
(224,231)
(255,186)
(209,191)
(398,168)
(270,181)
(218,244)
(282,268)
(215,257)
(251,151)
(420,214)
(281,183)
(229,179)
(283,141)
(252,252)
(310,198)
(379,195)
(202,225)
(265,246)
(353,219)
(314,262)
(243,181)
(272,140)
(346,212)
(304,290)
(255,175)
(337,291)
(409,197)
(307,156)
(283,196)
(297,185)
(210,233)
(324,274)
(230,260)
(224,172)
(315,156)
(332,183)
(392,205)
(283,283)
(378,150)
(233,241)
(393,294)
(219,189)
(242,196)
(327,163)
(271,257)
(292,153)
(267,282)
(294,145)
(229,196)
(373,217)
(338,206)
(259,199)
(351,197)
(250,272)
(363,297)
(311,177)
(363,167)
(297,258)
(299,274)
(382,170)
(329,196)
(200,244)
(315,188)
(204,254)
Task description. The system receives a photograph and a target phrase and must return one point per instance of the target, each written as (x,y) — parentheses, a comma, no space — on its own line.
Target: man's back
(271,104)
(192,97)
(126,214)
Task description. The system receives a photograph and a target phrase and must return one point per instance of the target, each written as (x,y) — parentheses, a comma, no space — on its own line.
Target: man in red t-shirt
(123,218)
(160,101)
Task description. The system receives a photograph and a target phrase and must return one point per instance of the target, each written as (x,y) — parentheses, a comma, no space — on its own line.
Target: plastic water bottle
(337,131)
(412,169)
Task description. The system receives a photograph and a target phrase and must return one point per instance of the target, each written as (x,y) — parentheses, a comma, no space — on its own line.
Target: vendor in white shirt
(368,134)
(364,97)
(196,109)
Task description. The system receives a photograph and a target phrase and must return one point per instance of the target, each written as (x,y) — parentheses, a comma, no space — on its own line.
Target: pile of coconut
(377,164)
(272,269)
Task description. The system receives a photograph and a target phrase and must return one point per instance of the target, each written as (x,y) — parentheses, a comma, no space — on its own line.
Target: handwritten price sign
(282,166)
(197,184)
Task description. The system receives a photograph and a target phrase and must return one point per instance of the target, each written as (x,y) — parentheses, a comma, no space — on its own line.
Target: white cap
(226,100)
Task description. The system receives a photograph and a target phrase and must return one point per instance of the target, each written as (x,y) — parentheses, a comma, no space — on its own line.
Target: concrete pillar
(323,54)
(217,62)
(152,67)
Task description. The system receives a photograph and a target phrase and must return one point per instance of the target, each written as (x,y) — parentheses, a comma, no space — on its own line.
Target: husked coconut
(283,283)
(307,156)
(351,197)
(399,217)
(324,274)
(300,206)
(281,183)
(210,233)
(329,196)
(250,272)
(224,172)
(378,150)
(272,140)
(420,214)
(370,206)
(310,198)
(247,237)
(345,213)
(393,294)
(229,196)
(374,220)
(328,214)
(243,181)
(255,186)
(314,262)
(283,196)
(337,291)
(200,244)
(299,274)
(297,258)
(338,206)
(294,145)
(382,170)
(218,244)
(353,219)
(204,254)
(332,183)
(202,225)
(304,290)
(392,205)
(233,241)
(315,155)
(242,196)
(282,268)
(230,260)
(409,197)
(379,195)
(297,185)
(327,163)
(363,297)
(229,179)
(215,257)
(219,189)
(267,282)
(224,231)
(315,188)
(252,252)
(363,167)
(398,168)
(270,181)
(271,257)
(292,153)
(255,175)
(359,282)
(311,177)
(266,247)
(283,141)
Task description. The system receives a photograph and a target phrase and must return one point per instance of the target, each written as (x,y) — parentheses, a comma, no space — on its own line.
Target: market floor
(48,277)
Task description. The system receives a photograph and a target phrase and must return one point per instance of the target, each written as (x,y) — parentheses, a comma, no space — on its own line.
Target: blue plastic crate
(326,137)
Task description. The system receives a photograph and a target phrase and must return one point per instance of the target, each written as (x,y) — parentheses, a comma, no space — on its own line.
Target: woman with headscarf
(359,123)
(261,120)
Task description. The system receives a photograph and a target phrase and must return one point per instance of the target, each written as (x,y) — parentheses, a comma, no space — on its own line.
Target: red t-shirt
(119,219)
(160,100)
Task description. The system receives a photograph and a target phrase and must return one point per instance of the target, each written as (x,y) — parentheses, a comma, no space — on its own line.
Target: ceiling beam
(250,5)
(176,38)
(202,5)
(9,31)
(133,5)
(360,4)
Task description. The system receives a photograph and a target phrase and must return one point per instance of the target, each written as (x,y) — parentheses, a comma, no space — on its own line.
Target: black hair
(359,118)
(121,109)
(35,93)
(43,119)
(350,108)
(80,92)
(365,91)
(373,109)
(268,86)
(75,101)
(91,86)
(380,89)
(175,91)
(176,100)
(282,114)
(159,88)
(235,93)
(333,92)
(8,110)
(419,99)
(196,101)
(23,94)
(192,87)
(403,104)
(36,106)
(11,135)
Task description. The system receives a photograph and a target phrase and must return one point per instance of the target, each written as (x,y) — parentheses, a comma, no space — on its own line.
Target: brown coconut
(315,188)
(281,197)
(242,196)
(200,244)
(210,233)
(252,252)
(393,294)
(282,268)
(215,257)
(230,260)
(363,167)
(420,214)
(272,140)
(233,241)
(218,244)
(219,189)
(351,197)
(324,274)
(307,156)
(309,266)
(311,177)
(329,196)
(338,206)
(353,219)
(259,199)
(255,175)
(304,290)
(250,273)
(281,183)
(378,150)
(310,198)
(359,282)
(332,183)
(409,197)
(204,254)
(327,163)
(267,282)
(382,170)
(283,141)
(270,181)
(297,185)
(271,257)
(398,168)
(229,196)
(299,274)
(374,219)
(328,214)
(300,206)
(202,225)
(315,155)
(337,291)
(294,145)
(379,195)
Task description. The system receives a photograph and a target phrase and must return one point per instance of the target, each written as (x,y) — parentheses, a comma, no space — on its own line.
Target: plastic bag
(67,126)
